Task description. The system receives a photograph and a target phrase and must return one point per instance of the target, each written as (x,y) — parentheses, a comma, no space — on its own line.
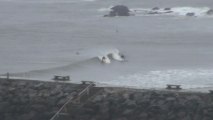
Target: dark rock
(123,118)
(23,100)
(181,114)
(119,10)
(11,89)
(8,116)
(167,8)
(190,14)
(143,115)
(153,12)
(171,116)
(156,8)
(209,12)
(54,92)
(28,116)
(132,96)
(62,101)
(170,99)
(4,105)
(22,84)
(5,82)
(127,112)
(197,117)
(187,118)
(155,109)
(38,86)
(98,98)
(206,118)
(39,107)
(130,104)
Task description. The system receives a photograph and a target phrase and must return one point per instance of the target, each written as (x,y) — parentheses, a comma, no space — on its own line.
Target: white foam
(102,52)
(176,11)
(117,56)
(105,9)
(158,79)
(184,10)
(105,60)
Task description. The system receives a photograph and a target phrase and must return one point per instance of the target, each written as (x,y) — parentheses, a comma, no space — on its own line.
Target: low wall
(32,100)
(121,104)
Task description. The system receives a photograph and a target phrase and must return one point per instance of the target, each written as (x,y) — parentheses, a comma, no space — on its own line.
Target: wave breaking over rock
(173,11)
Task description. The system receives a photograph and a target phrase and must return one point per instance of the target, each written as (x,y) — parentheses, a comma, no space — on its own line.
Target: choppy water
(42,38)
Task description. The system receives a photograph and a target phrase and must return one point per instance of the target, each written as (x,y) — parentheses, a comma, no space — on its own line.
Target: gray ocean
(43,38)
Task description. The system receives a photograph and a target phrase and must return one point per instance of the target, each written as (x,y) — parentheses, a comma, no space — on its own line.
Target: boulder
(28,116)
(38,86)
(169,99)
(119,10)
(39,107)
(153,12)
(62,101)
(127,112)
(167,8)
(4,105)
(98,98)
(209,12)
(156,8)
(143,115)
(190,14)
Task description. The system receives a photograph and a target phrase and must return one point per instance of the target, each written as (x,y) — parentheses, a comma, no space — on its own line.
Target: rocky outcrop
(209,12)
(118,10)
(190,14)
(32,100)
(155,8)
(146,105)
(167,8)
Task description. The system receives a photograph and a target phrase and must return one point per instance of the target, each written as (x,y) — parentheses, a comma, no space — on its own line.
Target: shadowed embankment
(36,100)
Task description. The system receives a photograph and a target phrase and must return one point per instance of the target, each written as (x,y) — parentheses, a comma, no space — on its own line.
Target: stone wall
(146,105)
(32,100)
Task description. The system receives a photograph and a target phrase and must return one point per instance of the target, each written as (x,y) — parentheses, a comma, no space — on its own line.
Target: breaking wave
(91,57)
(199,78)
(175,11)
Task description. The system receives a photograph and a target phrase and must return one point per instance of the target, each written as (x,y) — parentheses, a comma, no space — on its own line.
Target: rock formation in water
(190,14)
(156,8)
(209,12)
(118,10)
(167,8)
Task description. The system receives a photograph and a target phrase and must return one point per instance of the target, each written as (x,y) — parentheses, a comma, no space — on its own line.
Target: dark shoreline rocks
(32,100)
(146,105)
(209,12)
(36,100)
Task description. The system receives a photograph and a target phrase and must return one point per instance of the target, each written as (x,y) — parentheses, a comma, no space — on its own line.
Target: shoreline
(196,90)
